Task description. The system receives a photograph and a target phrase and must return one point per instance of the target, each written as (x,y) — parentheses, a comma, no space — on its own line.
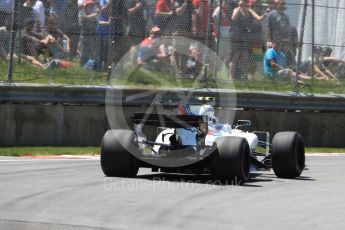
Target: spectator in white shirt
(39,11)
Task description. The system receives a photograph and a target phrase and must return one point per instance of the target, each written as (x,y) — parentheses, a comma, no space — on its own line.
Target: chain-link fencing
(271,45)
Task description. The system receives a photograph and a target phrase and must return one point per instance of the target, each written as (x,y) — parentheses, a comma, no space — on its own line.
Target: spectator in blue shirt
(275,64)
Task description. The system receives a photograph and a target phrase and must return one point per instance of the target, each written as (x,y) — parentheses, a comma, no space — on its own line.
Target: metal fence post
(12,42)
(300,46)
(110,43)
(312,37)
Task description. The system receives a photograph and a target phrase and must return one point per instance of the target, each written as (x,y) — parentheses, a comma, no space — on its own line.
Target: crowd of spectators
(99,32)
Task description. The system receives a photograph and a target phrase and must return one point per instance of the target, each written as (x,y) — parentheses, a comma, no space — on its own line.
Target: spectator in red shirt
(183,23)
(164,7)
(163,14)
(150,51)
(242,28)
(200,18)
(174,16)
(223,26)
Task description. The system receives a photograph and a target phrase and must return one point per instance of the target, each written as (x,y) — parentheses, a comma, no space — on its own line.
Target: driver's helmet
(205,110)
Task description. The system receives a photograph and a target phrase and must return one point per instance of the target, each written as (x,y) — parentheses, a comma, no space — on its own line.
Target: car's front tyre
(231,159)
(288,157)
(116,157)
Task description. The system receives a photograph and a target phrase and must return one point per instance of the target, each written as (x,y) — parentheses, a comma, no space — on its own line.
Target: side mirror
(246,123)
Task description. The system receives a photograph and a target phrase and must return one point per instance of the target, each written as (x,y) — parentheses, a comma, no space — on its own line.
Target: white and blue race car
(194,141)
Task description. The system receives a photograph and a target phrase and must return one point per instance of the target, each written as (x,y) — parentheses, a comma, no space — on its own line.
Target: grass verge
(25,73)
(325,150)
(46,151)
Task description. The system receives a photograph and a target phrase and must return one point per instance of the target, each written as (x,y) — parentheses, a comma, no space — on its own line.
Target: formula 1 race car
(194,141)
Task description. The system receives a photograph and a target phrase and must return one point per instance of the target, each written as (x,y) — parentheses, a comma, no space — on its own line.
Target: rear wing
(172,121)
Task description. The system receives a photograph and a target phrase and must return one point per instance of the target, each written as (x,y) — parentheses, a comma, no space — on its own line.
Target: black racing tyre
(288,158)
(116,158)
(231,159)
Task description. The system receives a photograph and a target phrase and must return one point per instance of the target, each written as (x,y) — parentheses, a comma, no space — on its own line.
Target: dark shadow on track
(304,178)
(258,177)
(203,179)
(208,179)
(19,224)
(272,177)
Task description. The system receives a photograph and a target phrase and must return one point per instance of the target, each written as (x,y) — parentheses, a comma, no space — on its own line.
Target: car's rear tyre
(231,159)
(116,157)
(288,157)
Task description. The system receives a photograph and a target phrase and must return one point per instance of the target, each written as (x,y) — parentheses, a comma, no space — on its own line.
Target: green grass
(25,73)
(46,151)
(134,77)
(325,150)
(314,150)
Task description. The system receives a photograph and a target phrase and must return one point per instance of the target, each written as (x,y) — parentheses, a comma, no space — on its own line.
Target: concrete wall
(65,125)
(51,125)
(317,129)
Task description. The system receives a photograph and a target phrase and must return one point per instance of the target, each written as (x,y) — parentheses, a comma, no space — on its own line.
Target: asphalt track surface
(74,194)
